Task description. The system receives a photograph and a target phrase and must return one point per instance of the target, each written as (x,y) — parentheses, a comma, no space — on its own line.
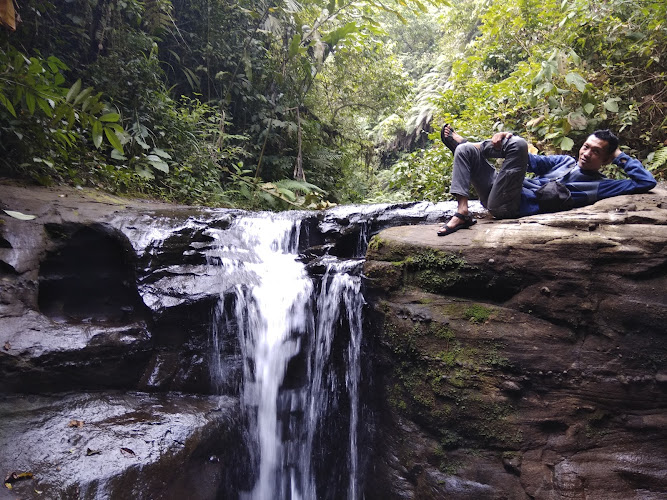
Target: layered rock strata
(524,359)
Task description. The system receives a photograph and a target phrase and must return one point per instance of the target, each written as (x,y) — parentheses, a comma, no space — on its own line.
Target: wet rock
(115,445)
(540,374)
(46,356)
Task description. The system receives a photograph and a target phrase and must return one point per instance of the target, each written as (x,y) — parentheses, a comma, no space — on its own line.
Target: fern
(658,160)
(157,17)
(325,158)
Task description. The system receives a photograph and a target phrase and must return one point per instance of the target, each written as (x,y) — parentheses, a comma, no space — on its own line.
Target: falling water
(279,318)
(339,288)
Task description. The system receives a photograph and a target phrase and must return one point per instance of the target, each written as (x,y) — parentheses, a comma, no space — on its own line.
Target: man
(508,193)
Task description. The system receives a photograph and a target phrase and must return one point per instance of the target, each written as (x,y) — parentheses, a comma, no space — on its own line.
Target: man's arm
(639,179)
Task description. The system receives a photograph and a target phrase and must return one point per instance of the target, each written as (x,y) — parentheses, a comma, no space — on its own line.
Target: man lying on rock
(560,182)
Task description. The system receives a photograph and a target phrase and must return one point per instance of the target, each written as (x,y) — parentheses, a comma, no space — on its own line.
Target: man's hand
(498,137)
(616,153)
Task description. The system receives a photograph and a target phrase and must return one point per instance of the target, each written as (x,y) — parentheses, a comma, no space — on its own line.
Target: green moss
(443,332)
(496,360)
(434,259)
(596,425)
(444,384)
(450,467)
(396,398)
(376,243)
(477,313)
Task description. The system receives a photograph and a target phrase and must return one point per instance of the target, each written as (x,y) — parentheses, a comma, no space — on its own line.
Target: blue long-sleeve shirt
(586,187)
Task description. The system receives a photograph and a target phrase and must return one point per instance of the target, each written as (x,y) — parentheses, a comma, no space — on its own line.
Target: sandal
(467,223)
(448,140)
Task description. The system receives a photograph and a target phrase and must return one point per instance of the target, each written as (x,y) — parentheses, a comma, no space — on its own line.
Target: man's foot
(450,138)
(458,221)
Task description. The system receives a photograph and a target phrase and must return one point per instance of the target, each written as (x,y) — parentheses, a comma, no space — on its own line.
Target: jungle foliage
(551,71)
(265,104)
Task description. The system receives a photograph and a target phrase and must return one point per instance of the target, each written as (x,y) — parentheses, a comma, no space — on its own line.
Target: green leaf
(161,153)
(113,138)
(142,143)
(116,155)
(45,107)
(7,104)
(337,35)
(577,80)
(420,6)
(19,215)
(575,57)
(30,101)
(611,104)
(294,46)
(83,95)
(589,108)
(110,117)
(116,127)
(158,164)
(287,193)
(73,91)
(97,133)
(566,144)
(144,172)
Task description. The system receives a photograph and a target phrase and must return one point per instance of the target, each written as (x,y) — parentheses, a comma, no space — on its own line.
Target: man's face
(593,154)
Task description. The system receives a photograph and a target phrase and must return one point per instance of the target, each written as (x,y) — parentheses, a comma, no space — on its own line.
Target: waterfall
(286,323)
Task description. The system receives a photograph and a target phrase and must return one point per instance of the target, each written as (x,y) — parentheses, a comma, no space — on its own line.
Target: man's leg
(505,195)
(470,168)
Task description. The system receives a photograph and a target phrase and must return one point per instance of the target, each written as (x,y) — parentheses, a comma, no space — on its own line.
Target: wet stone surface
(115,445)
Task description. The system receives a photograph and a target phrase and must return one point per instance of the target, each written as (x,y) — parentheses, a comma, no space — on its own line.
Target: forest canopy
(288,104)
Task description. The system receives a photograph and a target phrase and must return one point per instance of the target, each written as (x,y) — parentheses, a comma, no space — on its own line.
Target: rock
(114,445)
(541,371)
(47,356)
(518,359)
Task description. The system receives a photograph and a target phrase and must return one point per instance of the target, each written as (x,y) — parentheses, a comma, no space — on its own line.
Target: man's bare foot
(450,138)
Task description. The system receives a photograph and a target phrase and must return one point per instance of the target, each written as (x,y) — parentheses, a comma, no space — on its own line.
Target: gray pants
(499,192)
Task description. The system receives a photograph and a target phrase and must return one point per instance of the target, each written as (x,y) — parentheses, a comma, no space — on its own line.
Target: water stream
(286,321)
(286,336)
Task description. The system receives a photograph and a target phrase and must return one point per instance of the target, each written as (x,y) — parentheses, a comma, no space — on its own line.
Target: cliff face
(518,359)
(104,386)
(524,359)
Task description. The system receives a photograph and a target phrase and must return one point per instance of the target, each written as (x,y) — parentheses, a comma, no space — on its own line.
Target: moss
(396,398)
(443,332)
(596,425)
(376,244)
(448,387)
(434,259)
(477,313)
(450,467)
(493,425)
(450,439)
(495,360)
(433,270)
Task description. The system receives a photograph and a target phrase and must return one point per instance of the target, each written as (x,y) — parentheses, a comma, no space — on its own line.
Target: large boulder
(524,358)
(120,445)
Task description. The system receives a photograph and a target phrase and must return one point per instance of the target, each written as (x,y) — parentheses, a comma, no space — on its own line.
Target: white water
(277,316)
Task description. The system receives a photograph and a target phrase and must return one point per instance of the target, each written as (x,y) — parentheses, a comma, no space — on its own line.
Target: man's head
(598,150)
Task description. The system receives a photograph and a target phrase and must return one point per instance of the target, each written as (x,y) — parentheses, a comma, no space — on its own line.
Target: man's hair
(608,136)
